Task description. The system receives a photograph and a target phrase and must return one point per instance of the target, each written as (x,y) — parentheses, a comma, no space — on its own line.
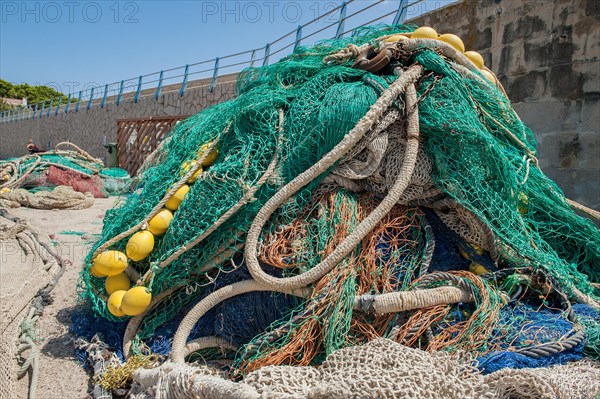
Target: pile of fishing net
(369,192)
(63,167)
(60,197)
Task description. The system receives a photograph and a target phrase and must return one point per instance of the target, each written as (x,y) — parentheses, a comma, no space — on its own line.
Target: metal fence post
(68,104)
(120,94)
(91,99)
(50,107)
(267,52)
(103,103)
(159,87)
(59,104)
(139,89)
(43,109)
(341,22)
(78,102)
(252,58)
(35,110)
(185,78)
(213,82)
(400,16)
(298,37)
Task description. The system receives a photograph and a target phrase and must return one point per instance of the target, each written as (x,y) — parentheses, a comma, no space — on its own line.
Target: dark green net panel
(297,110)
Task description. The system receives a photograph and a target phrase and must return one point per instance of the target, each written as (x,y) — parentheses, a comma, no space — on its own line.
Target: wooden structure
(138,137)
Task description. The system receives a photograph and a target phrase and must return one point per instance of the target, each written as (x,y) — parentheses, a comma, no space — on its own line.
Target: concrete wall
(546,54)
(90,128)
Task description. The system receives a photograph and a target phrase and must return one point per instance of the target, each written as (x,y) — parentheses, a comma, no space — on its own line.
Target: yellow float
(118,282)
(174,202)
(453,40)
(187,165)
(211,157)
(114,303)
(195,176)
(474,267)
(110,263)
(477,269)
(424,32)
(397,38)
(140,245)
(135,301)
(159,223)
(96,273)
(488,75)
(475,58)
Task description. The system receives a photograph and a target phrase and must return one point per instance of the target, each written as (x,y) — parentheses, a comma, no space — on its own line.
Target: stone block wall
(546,54)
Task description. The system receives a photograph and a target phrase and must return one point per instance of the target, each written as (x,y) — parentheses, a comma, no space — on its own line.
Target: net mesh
(378,369)
(22,275)
(476,204)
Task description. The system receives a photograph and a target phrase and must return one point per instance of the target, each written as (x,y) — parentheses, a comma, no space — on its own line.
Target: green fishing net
(290,114)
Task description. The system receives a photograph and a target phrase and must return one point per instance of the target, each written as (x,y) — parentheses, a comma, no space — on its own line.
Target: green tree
(33,94)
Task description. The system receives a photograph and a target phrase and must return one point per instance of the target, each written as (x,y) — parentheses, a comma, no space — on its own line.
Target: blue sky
(73,45)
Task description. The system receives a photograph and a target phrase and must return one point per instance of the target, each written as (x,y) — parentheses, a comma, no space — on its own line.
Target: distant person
(32,148)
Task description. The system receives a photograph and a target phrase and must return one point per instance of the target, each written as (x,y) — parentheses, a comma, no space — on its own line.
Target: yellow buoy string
(166,197)
(197,165)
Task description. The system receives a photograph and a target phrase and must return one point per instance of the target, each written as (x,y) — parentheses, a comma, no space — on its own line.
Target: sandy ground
(61,374)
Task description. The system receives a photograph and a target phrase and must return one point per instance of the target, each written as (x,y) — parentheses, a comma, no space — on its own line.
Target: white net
(62,197)
(379,369)
(22,273)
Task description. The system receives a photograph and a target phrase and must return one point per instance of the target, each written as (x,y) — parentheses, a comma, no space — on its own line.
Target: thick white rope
(410,300)
(403,83)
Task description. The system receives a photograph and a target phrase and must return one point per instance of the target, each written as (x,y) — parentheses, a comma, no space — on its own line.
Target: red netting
(78,181)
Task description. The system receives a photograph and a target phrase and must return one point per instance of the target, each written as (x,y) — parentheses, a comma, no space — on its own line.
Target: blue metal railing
(351,14)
